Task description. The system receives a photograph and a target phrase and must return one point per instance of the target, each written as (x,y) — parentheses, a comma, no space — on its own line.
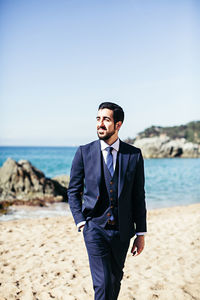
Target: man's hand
(138,245)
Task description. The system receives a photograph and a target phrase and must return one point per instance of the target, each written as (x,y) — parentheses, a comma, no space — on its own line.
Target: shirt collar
(115,145)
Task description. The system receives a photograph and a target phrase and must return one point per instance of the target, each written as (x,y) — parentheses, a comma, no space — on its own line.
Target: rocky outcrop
(22,182)
(62,179)
(162,146)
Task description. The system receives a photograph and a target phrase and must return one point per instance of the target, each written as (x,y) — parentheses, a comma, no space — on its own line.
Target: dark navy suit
(94,196)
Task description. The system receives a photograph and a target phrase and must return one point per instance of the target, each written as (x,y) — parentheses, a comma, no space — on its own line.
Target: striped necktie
(109,160)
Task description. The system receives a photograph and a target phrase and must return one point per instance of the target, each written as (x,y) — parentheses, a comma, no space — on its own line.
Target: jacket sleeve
(76,185)
(139,206)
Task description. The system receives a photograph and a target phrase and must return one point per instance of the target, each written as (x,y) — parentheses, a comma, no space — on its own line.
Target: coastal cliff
(168,142)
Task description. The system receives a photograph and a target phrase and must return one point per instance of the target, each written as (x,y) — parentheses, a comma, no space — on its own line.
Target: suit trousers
(107,255)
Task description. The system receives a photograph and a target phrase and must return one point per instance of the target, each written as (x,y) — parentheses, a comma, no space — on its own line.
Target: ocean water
(168,182)
(50,160)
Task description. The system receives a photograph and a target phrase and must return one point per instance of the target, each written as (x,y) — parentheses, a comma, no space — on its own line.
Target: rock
(162,146)
(62,179)
(21,181)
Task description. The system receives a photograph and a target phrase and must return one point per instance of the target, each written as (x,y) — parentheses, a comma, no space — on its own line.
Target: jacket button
(111,191)
(108,214)
(111,206)
(111,182)
(111,199)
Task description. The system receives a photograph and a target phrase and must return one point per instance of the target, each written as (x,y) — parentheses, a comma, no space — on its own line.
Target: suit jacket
(85,182)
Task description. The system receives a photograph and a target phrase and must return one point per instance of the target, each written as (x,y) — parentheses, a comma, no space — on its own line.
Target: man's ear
(118,125)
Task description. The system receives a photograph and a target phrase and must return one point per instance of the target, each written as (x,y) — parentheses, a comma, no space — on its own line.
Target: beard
(106,136)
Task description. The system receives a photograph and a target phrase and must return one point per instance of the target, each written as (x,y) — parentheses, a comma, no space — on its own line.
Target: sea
(168,181)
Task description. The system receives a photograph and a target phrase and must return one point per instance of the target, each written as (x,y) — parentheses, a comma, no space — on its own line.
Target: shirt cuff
(80,224)
(141,233)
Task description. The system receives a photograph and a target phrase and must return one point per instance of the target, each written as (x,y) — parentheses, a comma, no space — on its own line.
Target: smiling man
(107,199)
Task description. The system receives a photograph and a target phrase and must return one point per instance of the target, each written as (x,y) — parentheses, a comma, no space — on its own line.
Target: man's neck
(112,140)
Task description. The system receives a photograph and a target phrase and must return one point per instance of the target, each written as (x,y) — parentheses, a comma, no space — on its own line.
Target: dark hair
(118,113)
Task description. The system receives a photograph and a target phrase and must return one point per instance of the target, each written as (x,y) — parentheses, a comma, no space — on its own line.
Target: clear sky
(60,59)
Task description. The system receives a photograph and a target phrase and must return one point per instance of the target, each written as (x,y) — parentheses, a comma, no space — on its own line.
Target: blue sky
(60,59)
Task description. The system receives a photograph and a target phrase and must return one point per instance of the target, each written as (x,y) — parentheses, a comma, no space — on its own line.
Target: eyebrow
(104,117)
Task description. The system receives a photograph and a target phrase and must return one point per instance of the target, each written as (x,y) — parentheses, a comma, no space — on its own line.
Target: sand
(46,259)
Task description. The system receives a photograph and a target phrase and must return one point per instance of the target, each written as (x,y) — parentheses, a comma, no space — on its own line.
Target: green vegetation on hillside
(190,131)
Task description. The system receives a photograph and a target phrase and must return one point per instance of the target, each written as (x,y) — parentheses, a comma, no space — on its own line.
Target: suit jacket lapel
(123,164)
(95,151)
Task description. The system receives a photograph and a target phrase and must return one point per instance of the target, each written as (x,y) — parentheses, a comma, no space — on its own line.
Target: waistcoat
(107,203)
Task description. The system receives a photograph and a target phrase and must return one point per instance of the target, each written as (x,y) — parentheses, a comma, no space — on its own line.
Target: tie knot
(109,149)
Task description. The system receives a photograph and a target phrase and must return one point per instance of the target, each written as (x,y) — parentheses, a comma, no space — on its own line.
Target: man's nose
(100,123)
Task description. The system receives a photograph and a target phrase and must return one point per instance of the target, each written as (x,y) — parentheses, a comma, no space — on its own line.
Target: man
(107,198)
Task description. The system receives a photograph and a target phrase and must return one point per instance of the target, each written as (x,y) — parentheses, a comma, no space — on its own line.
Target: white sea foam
(32,212)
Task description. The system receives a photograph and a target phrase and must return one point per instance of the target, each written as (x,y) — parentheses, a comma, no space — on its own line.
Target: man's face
(106,127)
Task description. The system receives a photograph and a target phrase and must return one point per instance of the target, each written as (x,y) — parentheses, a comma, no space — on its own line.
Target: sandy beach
(46,259)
